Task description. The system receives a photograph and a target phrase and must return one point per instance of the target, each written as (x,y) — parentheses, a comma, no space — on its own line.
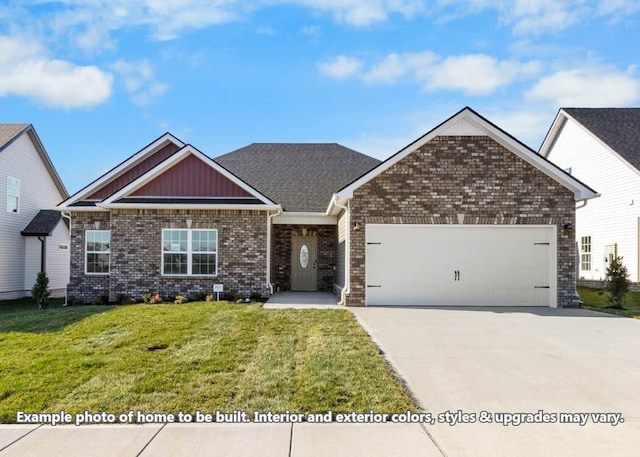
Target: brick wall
(281,252)
(136,237)
(474,176)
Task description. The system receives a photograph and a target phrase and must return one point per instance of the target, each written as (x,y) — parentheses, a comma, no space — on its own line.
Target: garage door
(493,265)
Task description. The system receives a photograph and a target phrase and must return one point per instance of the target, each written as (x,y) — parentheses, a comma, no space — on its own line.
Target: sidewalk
(176,440)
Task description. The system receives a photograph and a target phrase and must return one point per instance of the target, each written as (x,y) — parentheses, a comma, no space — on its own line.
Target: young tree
(617,282)
(40,291)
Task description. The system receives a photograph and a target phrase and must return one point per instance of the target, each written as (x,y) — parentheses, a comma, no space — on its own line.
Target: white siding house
(601,147)
(30,184)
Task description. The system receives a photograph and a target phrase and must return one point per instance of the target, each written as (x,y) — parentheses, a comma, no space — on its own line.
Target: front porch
(302,300)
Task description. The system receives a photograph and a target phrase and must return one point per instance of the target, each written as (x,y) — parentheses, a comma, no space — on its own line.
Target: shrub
(123,299)
(617,283)
(73,301)
(180,299)
(210,298)
(146,298)
(101,300)
(256,296)
(40,292)
(155,299)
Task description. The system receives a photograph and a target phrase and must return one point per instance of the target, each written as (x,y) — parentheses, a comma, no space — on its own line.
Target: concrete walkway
(523,362)
(189,440)
(302,300)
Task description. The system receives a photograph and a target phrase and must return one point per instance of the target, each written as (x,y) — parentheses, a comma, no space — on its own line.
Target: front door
(304,274)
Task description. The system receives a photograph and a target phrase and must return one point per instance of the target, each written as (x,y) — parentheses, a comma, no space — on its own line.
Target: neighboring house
(465,215)
(33,236)
(602,147)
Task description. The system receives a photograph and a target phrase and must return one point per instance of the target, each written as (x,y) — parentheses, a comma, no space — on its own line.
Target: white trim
(305,218)
(86,253)
(103,207)
(176,158)
(188,252)
(122,168)
(580,190)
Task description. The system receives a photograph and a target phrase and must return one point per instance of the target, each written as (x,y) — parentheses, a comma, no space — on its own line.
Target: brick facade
(470,175)
(135,266)
(281,254)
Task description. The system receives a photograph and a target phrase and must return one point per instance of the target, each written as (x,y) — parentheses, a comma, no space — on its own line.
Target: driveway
(534,361)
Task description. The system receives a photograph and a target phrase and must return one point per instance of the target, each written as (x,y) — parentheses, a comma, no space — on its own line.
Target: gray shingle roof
(619,128)
(43,223)
(9,131)
(299,176)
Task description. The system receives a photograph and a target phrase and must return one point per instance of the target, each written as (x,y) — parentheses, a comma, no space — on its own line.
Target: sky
(101,79)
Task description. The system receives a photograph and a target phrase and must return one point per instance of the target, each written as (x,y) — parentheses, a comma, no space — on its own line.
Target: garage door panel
(460,265)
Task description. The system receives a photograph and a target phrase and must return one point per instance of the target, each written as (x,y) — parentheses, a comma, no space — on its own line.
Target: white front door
(304,272)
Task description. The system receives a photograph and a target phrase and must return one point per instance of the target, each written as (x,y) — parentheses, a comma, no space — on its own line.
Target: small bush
(146,298)
(155,299)
(123,299)
(210,298)
(101,300)
(40,292)
(73,301)
(200,297)
(617,283)
(180,299)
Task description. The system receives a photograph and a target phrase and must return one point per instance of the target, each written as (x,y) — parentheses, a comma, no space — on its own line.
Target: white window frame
(585,253)
(189,252)
(10,195)
(87,252)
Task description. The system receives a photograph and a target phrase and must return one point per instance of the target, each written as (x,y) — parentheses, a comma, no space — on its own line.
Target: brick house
(465,215)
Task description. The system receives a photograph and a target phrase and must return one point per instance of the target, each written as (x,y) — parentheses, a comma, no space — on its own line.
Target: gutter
(269,225)
(347,253)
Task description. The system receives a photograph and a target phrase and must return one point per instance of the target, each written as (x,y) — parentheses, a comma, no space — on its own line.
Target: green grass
(196,356)
(596,300)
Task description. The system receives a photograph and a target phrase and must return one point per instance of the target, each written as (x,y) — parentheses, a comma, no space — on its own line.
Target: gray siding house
(33,235)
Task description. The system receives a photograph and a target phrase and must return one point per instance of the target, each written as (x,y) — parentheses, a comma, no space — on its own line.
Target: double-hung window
(189,252)
(97,251)
(585,253)
(13,194)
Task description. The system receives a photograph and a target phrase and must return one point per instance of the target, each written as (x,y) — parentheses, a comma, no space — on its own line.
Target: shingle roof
(299,176)
(9,131)
(43,223)
(619,128)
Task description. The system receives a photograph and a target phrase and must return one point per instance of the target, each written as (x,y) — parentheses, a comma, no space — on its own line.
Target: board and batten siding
(611,218)
(37,191)
(340,251)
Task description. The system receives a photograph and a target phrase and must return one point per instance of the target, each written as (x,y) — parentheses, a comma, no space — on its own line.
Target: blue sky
(100,79)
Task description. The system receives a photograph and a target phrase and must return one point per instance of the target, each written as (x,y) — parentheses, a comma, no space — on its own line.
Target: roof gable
(11,132)
(126,172)
(186,179)
(191,177)
(618,129)
(469,123)
(43,223)
(301,177)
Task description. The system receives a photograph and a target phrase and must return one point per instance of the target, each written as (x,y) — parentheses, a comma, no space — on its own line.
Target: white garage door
(494,265)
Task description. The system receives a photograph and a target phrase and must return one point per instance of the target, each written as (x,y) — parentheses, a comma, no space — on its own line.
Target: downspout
(43,254)
(66,290)
(347,251)
(269,223)
(584,203)
(576,296)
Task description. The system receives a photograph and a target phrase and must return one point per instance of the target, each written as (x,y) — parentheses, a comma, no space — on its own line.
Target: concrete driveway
(514,361)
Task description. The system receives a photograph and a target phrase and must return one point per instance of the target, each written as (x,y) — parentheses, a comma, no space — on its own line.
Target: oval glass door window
(304,256)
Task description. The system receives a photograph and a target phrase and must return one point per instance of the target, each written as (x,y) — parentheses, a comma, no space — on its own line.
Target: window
(13,194)
(189,252)
(97,251)
(585,253)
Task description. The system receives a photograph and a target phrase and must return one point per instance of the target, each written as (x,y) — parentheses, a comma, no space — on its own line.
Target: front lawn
(196,356)
(596,300)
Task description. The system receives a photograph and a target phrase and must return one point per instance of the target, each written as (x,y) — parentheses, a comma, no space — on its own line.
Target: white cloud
(26,70)
(341,67)
(140,81)
(589,86)
(473,74)
(362,12)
